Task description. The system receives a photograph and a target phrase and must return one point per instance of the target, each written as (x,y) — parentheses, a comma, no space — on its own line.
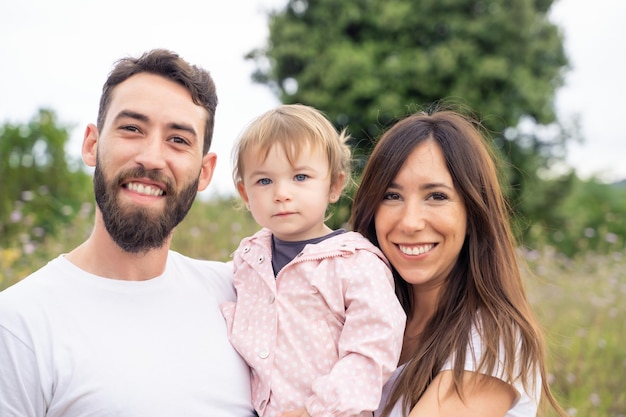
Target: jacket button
(263,353)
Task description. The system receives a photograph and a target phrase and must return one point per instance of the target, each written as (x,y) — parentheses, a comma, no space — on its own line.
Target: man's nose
(151,153)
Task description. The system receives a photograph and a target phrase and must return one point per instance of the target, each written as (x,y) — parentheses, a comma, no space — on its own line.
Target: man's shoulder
(216,274)
(30,296)
(181,261)
(38,281)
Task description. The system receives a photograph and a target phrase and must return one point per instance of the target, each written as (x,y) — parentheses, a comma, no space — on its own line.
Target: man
(121,325)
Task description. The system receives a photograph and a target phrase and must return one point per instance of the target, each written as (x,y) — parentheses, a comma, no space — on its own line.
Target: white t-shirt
(75,344)
(524,406)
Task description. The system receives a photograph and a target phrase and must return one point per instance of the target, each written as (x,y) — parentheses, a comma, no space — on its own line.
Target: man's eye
(178,139)
(130,128)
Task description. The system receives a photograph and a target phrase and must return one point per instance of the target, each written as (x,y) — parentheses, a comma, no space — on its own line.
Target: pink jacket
(325,334)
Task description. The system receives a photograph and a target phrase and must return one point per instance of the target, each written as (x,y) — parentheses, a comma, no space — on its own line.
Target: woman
(430,199)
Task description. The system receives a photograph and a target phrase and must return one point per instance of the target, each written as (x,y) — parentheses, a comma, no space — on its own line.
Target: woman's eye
(391,196)
(439,196)
(300,177)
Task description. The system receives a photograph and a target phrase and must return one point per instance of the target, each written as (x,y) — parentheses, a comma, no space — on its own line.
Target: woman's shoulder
(527,397)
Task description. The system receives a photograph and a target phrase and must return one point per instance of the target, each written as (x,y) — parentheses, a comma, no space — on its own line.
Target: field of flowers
(580,302)
(582,305)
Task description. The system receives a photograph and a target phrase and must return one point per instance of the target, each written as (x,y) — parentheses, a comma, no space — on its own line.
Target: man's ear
(208,168)
(89,150)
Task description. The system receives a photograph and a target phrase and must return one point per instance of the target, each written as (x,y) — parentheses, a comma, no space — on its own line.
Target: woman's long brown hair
(485,286)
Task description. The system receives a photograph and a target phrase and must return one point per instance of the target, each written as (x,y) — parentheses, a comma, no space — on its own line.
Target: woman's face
(421,223)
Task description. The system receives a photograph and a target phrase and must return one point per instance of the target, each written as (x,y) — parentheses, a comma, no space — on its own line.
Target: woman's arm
(483,396)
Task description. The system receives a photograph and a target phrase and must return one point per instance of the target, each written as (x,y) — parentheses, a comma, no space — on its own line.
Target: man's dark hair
(171,66)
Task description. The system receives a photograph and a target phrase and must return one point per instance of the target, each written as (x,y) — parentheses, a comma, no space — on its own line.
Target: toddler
(316,317)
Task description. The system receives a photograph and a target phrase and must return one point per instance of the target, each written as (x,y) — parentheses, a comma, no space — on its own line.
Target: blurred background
(545,77)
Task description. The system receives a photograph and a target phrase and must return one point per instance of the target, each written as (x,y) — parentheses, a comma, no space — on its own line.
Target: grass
(581,302)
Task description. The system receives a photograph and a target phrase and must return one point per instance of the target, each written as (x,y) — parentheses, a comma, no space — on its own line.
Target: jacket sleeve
(369,345)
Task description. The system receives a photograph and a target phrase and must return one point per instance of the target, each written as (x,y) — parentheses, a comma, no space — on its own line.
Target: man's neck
(100,255)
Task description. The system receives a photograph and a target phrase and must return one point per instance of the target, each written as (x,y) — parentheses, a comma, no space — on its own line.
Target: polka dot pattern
(324,334)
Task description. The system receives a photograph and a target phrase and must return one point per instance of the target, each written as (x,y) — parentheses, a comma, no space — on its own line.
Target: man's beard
(137,229)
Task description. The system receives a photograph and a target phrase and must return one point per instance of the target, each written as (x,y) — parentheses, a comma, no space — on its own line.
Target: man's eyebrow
(143,118)
(183,127)
(131,115)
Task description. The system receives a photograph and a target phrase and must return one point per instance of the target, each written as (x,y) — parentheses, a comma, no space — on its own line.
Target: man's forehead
(155,97)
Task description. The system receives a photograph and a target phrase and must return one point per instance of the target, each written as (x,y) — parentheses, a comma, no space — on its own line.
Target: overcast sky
(58,53)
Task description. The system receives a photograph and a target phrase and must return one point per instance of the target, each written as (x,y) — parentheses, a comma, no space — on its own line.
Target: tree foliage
(593,219)
(367,63)
(42,187)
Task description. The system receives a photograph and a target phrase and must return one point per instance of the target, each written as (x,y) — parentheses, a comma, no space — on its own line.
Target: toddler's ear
(336,187)
(241,189)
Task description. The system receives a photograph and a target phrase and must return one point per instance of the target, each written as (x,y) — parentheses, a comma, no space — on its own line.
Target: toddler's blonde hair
(293,127)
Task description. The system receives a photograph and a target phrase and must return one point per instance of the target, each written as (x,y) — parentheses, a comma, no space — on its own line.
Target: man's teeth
(416,250)
(144,189)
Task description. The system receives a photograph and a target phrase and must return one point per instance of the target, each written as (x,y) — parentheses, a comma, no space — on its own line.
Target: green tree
(367,63)
(42,187)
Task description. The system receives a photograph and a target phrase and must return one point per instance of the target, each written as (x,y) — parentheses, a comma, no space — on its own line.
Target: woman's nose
(413,217)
